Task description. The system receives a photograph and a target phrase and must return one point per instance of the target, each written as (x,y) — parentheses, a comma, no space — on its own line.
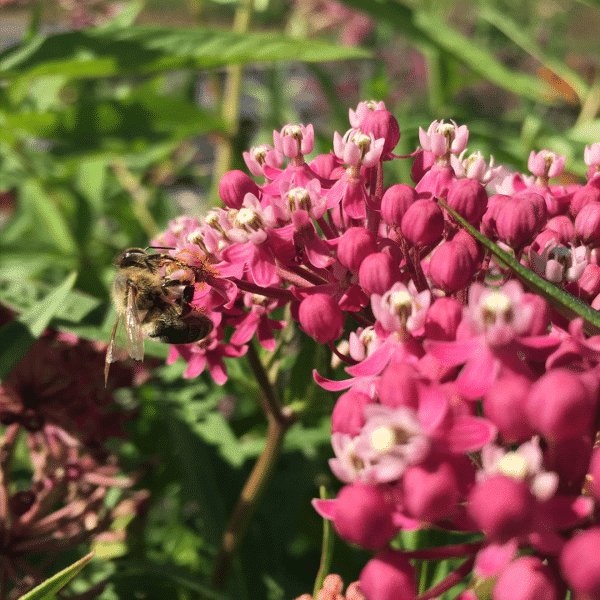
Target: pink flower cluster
(470,405)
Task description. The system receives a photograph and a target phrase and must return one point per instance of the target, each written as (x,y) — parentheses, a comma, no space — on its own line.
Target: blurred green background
(113,122)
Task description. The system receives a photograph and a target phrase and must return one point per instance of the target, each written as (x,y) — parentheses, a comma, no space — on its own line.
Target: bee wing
(111,351)
(135,339)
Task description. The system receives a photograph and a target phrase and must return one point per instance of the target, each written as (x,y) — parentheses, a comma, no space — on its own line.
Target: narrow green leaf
(127,15)
(425,30)
(515,32)
(50,218)
(563,302)
(91,53)
(19,335)
(47,590)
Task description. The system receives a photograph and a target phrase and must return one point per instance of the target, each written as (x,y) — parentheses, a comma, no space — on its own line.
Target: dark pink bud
(423,223)
(504,406)
(468,198)
(559,405)
(378,272)
(564,227)
(584,195)
(538,201)
(451,267)
(501,507)
(430,490)
(423,162)
(363,516)
(488,221)
(580,563)
(443,318)
(589,282)
(395,203)
(595,473)
(388,576)
(517,222)
(354,246)
(542,239)
(587,224)
(526,578)
(234,186)
(570,460)
(382,124)
(398,386)
(321,317)
(476,250)
(347,416)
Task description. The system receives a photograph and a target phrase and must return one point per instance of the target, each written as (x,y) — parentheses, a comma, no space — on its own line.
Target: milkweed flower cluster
(469,404)
(54,405)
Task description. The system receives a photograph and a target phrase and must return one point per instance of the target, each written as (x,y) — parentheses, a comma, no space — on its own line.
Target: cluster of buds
(54,405)
(470,404)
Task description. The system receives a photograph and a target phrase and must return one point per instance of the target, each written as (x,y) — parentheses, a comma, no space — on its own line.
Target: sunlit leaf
(48,589)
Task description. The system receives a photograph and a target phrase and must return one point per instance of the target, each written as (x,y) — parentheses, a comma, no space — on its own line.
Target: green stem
(326,549)
(280,420)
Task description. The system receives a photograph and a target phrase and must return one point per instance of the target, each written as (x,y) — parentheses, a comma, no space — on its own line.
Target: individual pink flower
(294,140)
(401,308)
(357,149)
(259,156)
(363,110)
(545,165)
(444,139)
(475,167)
(523,464)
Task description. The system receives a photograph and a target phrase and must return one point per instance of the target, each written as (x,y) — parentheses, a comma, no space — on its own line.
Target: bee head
(132,257)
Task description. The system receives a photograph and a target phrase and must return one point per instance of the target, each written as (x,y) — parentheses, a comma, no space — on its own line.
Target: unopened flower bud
(559,405)
(468,198)
(517,221)
(526,578)
(388,576)
(501,507)
(395,203)
(382,124)
(378,272)
(587,224)
(584,195)
(580,563)
(504,406)
(423,223)
(354,246)
(430,490)
(443,318)
(321,317)
(451,267)
(234,186)
(363,516)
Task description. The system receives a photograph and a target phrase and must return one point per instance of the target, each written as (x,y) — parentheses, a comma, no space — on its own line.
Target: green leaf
(567,305)
(51,220)
(19,335)
(426,31)
(47,590)
(515,32)
(92,53)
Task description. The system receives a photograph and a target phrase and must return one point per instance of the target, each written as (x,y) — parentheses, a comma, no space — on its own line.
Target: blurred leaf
(567,305)
(17,337)
(47,590)
(515,32)
(54,225)
(588,133)
(127,15)
(424,29)
(93,53)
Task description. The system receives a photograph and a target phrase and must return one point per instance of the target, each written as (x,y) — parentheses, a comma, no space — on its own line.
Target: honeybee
(149,302)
